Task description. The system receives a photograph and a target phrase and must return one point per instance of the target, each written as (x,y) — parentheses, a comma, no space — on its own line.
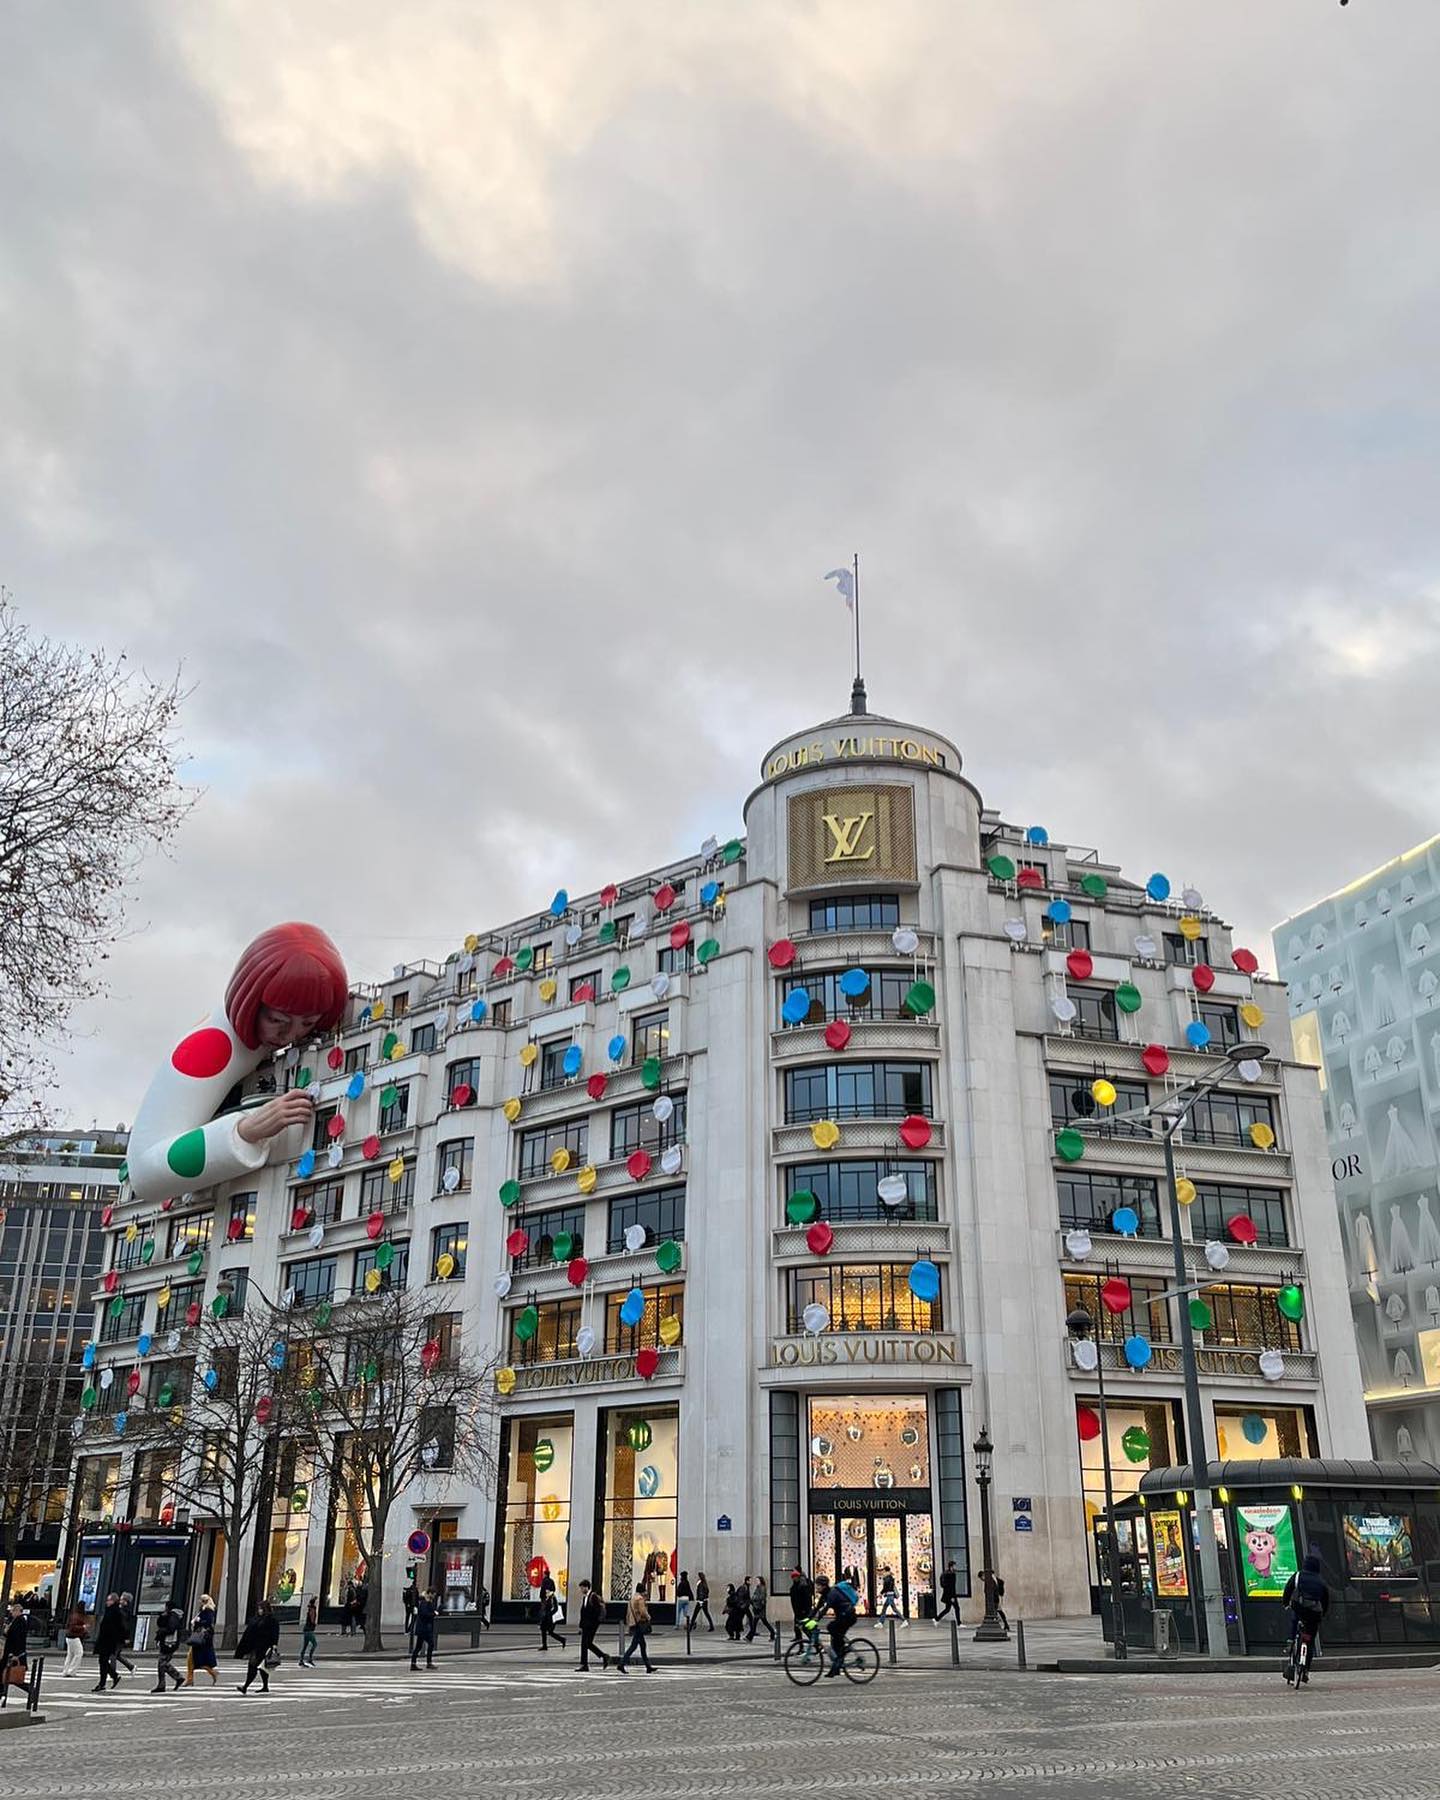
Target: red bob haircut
(294,968)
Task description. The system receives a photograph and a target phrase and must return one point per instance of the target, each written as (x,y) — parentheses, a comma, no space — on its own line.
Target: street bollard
(955,1642)
(689,1627)
(775,1645)
(475,1632)
(37,1675)
(891,1623)
(1020,1643)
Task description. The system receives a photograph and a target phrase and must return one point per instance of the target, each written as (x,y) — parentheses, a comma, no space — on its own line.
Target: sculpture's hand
(275,1116)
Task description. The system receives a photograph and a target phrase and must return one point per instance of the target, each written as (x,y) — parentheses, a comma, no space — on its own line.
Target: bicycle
(1302,1652)
(805,1662)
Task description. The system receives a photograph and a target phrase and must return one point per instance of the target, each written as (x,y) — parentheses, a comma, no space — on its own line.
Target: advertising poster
(1380,1547)
(1171,1580)
(157,1577)
(1267,1550)
(89,1582)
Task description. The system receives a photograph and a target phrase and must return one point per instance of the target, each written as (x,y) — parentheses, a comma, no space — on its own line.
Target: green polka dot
(620,980)
(220,1305)
(1069,1146)
(509,1193)
(195,1262)
(707,952)
(124,1171)
(1127,997)
(186,1156)
(303,1078)
(732,852)
(650,1073)
(524,958)
(1094,886)
(1001,867)
(802,1207)
(607,932)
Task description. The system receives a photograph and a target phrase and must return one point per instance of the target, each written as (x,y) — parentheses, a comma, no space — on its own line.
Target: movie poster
(1267,1550)
(1380,1547)
(1171,1581)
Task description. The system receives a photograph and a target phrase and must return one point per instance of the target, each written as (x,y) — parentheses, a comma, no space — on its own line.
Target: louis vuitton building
(775,1173)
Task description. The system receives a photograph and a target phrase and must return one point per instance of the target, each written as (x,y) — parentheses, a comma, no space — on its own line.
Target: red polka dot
(203,1054)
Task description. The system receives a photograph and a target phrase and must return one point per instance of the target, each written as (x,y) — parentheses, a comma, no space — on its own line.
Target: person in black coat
(169,1628)
(702,1600)
(802,1601)
(592,1617)
(109,1641)
(549,1612)
(949,1599)
(127,1613)
(257,1640)
(423,1629)
(17,1628)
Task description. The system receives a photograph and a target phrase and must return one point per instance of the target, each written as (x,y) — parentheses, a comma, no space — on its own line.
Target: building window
(116,1327)
(661,1212)
(857,912)
(464,1074)
(585,987)
(849,1190)
(536,1470)
(124,1254)
(422,1039)
(541,958)
(1288,1431)
(1223,1023)
(883,999)
(96,1484)
(500,1011)
(444,1329)
(652,1037)
(173,1379)
(1095,1015)
(543,1228)
(1247,1318)
(538,1146)
(1088,1198)
(235,1283)
(673,959)
(289,1523)
(552,1063)
(400,1005)
(320,1136)
(637,1527)
(466,981)
(241,1226)
(665,1302)
(1071,1100)
(190,1233)
(323,1200)
(1184,951)
(636,1128)
(451,1241)
(862,1297)
(378,1193)
(183,1295)
(554,1338)
(1226,1118)
(1146,1316)
(459,1155)
(312,1280)
(1074,934)
(393,1116)
(394,1276)
(356,1058)
(856,1091)
(1217,1202)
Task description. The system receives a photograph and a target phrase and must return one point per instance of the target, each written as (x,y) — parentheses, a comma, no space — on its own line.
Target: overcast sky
(474,395)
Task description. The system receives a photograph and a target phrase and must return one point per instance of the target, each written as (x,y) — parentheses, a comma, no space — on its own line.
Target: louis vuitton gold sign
(852,834)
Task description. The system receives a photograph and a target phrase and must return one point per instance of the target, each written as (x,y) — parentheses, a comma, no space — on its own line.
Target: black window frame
(423,1038)
(1096,1014)
(660,1210)
(1217,1202)
(650,1036)
(464,1161)
(396,1276)
(889,1076)
(396,1116)
(542,1228)
(1067,1087)
(635,1127)
(846,1188)
(453,1236)
(570,1134)
(1082,1208)
(1146,1316)
(1268,1328)
(554,1336)
(297,1275)
(843,912)
(1224,1116)
(901,1312)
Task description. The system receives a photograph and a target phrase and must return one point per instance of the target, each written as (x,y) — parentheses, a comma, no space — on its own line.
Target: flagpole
(856,566)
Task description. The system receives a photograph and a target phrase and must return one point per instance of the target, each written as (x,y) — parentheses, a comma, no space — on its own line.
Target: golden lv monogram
(846,837)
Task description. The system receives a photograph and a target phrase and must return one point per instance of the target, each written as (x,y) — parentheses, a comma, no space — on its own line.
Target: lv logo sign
(847,838)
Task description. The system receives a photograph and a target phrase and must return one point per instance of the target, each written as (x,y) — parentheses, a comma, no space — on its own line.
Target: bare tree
(34,1449)
(89,767)
(388,1403)
(215,1420)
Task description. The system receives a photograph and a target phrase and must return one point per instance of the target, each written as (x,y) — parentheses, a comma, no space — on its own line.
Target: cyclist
(841,1599)
(1308,1599)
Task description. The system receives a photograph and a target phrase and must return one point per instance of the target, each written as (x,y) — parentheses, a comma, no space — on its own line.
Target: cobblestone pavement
(505,1726)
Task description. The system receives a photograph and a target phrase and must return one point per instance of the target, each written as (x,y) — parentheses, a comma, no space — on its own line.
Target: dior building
(774,1174)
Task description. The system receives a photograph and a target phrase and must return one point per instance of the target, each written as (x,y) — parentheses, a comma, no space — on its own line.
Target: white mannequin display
(1432,1301)
(1404,1368)
(1337,979)
(1367,1264)
(1372,1061)
(1404,1443)
(1347,1118)
(1407,890)
(1362,915)
(1317,937)
(1395,1309)
(1402,1254)
(1316,987)
(1435,1054)
(1420,938)
(1427,986)
(1427,1237)
(1382,1004)
(1395,1051)
(1400,1151)
(1383,902)
(1340,1026)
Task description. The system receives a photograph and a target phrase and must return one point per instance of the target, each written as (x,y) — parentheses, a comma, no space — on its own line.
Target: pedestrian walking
(202,1643)
(890,1596)
(684,1600)
(549,1612)
(17,1630)
(362,1605)
(424,1628)
(592,1617)
(409,1599)
(127,1613)
(637,1620)
(802,1602)
(702,1600)
(949,1581)
(258,1645)
(309,1635)
(484,1605)
(759,1602)
(109,1639)
(347,1609)
(77,1629)
(169,1629)
(994,1588)
(734,1612)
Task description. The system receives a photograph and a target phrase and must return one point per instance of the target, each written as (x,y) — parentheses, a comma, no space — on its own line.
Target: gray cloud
(474,399)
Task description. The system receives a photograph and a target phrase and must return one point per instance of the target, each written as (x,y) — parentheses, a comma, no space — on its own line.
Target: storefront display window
(289,1525)
(1251,1433)
(1142,1437)
(536,1528)
(348,1518)
(639,1520)
(870,1496)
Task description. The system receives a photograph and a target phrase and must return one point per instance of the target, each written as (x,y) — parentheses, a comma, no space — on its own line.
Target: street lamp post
(990,1630)
(1079,1324)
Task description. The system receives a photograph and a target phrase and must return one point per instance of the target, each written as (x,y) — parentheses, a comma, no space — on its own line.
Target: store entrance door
(868,1545)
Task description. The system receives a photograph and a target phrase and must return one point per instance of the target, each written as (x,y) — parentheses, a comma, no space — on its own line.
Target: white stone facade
(717,1460)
